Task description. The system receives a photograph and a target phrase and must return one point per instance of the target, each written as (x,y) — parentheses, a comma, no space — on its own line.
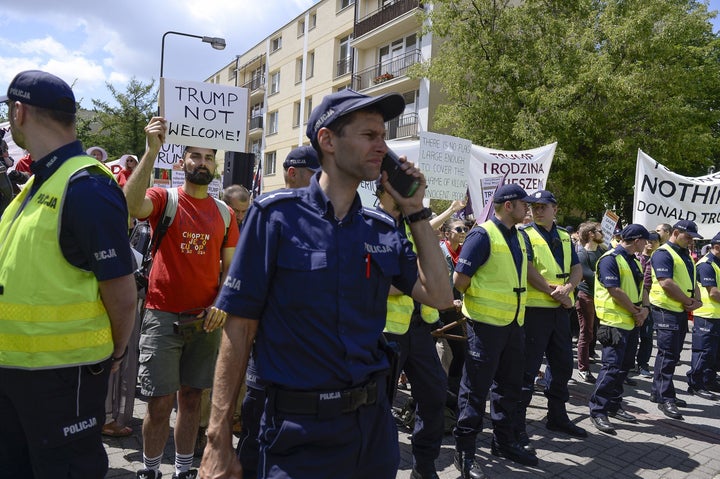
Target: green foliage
(120,129)
(603,78)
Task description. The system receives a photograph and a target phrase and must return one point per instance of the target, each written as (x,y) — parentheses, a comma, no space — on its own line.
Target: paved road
(656,447)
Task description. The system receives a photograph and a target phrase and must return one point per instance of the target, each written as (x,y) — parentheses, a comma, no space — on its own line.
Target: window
(313,21)
(256,110)
(232,73)
(296,114)
(300,28)
(272,125)
(345,3)
(275,82)
(308,109)
(276,44)
(310,65)
(394,59)
(269,166)
(298,70)
(345,59)
(255,147)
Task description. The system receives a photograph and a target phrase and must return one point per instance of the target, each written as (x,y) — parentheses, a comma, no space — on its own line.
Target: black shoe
(602,423)
(670,410)
(524,441)
(703,393)
(148,474)
(424,475)
(714,387)
(514,451)
(587,377)
(622,415)
(630,382)
(678,402)
(568,428)
(191,474)
(468,467)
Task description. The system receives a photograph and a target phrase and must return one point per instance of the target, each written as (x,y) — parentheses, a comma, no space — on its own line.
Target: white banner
(662,196)
(206,115)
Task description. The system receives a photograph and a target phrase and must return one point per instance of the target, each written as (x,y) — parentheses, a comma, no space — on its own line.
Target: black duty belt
(324,403)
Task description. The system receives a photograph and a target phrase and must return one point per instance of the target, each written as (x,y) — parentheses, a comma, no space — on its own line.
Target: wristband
(423,214)
(122,356)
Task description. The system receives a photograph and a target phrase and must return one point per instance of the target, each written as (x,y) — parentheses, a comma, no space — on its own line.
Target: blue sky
(90,42)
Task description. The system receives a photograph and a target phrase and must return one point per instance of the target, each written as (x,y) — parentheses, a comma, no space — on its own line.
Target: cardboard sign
(443,159)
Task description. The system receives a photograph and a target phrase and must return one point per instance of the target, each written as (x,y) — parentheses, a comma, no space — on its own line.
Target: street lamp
(216,42)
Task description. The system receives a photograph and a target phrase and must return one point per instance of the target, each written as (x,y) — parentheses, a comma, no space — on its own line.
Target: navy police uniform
(495,353)
(670,325)
(547,333)
(318,287)
(617,353)
(706,326)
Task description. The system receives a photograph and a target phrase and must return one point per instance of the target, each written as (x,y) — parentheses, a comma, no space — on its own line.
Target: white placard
(443,159)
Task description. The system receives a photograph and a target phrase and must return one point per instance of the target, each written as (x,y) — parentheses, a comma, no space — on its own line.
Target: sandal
(111,429)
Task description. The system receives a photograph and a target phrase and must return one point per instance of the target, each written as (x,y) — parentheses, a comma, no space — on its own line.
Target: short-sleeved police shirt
(476,248)
(706,273)
(552,238)
(318,285)
(608,271)
(663,265)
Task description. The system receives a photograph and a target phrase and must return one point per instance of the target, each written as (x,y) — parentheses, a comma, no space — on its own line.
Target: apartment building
(366,45)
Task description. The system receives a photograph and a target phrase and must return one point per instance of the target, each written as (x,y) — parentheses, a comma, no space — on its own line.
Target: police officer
(706,324)
(554,274)
(619,306)
(311,278)
(673,294)
(408,325)
(492,272)
(299,166)
(67,292)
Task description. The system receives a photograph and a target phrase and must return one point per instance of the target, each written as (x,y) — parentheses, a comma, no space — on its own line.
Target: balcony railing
(384,15)
(385,71)
(404,126)
(256,122)
(255,83)
(344,67)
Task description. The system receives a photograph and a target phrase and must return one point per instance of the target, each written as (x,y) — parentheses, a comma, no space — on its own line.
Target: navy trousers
(670,327)
(705,341)
(421,363)
(494,363)
(617,360)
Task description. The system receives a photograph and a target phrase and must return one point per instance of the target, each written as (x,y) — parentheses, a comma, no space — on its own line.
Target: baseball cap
(542,196)
(715,239)
(634,231)
(41,89)
(509,192)
(688,227)
(339,104)
(302,157)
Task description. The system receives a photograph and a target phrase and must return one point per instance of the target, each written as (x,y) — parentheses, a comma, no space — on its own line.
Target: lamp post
(216,42)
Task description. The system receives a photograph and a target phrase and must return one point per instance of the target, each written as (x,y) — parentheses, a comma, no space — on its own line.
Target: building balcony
(255,86)
(384,15)
(404,126)
(386,71)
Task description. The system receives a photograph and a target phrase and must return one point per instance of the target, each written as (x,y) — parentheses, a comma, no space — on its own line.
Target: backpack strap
(168,216)
(225,213)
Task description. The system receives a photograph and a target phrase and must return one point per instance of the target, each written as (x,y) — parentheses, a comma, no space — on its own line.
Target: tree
(120,129)
(603,78)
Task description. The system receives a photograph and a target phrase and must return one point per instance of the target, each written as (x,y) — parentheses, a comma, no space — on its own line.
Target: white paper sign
(206,115)
(443,159)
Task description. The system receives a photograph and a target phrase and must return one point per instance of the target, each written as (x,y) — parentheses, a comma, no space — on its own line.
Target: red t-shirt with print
(185,273)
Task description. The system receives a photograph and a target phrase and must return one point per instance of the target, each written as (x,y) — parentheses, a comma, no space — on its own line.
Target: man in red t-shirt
(184,280)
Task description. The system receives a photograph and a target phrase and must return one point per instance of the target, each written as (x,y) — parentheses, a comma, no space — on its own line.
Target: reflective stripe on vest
(608,311)
(51,313)
(680,276)
(493,296)
(399,312)
(710,308)
(547,266)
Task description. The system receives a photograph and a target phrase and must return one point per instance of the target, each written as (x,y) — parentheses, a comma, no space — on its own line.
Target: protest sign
(662,196)
(206,115)
(608,224)
(443,159)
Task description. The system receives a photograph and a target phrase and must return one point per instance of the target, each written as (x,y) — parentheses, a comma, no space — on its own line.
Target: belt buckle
(359,397)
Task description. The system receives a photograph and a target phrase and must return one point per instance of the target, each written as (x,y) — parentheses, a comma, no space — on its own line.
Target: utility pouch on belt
(608,336)
(392,351)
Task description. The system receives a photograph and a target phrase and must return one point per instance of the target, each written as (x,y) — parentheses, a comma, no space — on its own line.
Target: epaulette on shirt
(379,216)
(276,196)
